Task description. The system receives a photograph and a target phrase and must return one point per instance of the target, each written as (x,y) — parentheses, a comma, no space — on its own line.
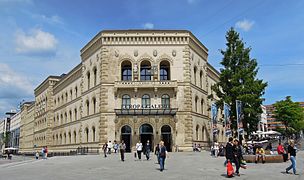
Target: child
(37,155)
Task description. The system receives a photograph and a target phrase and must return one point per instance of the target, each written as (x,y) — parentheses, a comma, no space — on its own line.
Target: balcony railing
(145,84)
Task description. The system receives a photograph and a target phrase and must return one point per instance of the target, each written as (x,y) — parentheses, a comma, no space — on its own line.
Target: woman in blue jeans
(292,150)
(162,155)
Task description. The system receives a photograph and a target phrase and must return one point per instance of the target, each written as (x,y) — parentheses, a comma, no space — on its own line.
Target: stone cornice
(90,90)
(72,76)
(45,84)
(199,89)
(68,103)
(143,37)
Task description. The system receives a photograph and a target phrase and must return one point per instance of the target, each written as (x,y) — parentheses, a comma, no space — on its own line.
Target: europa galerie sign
(147,106)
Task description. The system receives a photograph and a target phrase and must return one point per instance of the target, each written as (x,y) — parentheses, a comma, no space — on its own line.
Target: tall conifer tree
(238,81)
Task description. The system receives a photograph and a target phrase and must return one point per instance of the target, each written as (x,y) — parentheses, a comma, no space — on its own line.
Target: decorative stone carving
(135,68)
(154,53)
(135,52)
(116,53)
(173,53)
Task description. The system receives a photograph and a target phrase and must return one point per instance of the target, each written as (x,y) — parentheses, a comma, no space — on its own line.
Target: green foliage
(238,82)
(291,114)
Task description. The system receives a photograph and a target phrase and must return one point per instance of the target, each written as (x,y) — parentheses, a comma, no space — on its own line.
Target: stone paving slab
(179,166)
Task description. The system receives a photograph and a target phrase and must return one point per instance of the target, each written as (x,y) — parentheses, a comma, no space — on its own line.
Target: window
(87,134)
(71,94)
(126,71)
(202,106)
(201,79)
(66,97)
(94,105)
(145,101)
(93,131)
(65,117)
(95,75)
(75,137)
(70,115)
(70,138)
(164,72)
(165,101)
(196,132)
(75,114)
(88,79)
(145,71)
(195,69)
(196,102)
(76,91)
(88,107)
(64,139)
(126,101)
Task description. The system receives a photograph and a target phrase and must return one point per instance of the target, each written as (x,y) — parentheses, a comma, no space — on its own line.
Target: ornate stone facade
(131,85)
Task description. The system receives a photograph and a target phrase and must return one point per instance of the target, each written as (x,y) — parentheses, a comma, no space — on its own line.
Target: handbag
(230,169)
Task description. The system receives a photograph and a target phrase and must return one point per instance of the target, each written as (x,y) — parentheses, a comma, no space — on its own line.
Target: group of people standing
(107,148)
(234,154)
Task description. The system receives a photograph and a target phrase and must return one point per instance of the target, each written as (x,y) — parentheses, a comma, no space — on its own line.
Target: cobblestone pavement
(179,166)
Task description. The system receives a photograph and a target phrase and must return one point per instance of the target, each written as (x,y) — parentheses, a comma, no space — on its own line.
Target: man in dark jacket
(229,150)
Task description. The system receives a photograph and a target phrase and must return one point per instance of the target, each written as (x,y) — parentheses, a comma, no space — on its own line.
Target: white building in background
(15,121)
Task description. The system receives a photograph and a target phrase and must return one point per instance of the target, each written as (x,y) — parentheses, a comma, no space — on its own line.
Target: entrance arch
(166,136)
(146,133)
(126,132)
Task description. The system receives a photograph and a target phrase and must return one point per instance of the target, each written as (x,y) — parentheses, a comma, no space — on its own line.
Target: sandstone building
(130,84)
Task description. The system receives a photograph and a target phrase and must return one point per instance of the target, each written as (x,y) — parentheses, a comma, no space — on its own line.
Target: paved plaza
(179,166)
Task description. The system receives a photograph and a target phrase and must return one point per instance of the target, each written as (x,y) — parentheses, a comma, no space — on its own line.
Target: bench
(268,158)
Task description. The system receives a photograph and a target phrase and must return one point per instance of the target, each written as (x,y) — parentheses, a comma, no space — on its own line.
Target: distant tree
(291,114)
(238,81)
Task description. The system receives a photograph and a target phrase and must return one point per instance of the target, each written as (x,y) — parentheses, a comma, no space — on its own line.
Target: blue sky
(42,38)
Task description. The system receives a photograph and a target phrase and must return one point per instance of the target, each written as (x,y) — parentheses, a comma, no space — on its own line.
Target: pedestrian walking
(37,155)
(238,154)
(139,148)
(42,152)
(115,146)
(122,149)
(46,151)
(105,149)
(148,149)
(110,146)
(292,151)
(156,152)
(163,153)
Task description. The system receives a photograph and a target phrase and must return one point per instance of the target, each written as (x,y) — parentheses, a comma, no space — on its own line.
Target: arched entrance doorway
(126,136)
(166,136)
(146,133)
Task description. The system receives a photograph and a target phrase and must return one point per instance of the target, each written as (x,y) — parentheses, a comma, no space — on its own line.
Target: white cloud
(148,26)
(13,84)
(35,42)
(49,19)
(245,24)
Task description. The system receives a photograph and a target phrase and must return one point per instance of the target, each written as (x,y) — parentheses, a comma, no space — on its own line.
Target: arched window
(71,94)
(95,75)
(202,106)
(57,139)
(126,101)
(145,101)
(145,71)
(165,101)
(94,105)
(88,107)
(196,132)
(61,119)
(126,129)
(93,134)
(75,114)
(65,139)
(70,114)
(146,129)
(75,137)
(70,138)
(65,117)
(203,133)
(126,71)
(87,134)
(60,139)
(195,70)
(88,79)
(76,91)
(164,71)
(201,79)
(196,102)
(66,97)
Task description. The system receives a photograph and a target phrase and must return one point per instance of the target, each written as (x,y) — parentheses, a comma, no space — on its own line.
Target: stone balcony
(145,84)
